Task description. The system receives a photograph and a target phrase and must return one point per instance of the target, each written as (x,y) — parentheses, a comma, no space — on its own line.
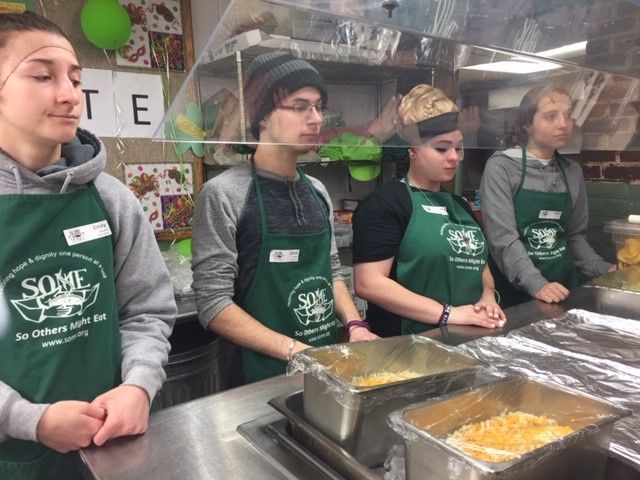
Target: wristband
(356,324)
(444,316)
(290,349)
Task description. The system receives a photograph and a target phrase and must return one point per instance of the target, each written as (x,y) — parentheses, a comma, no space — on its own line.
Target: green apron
(292,290)
(442,253)
(542,219)
(63,339)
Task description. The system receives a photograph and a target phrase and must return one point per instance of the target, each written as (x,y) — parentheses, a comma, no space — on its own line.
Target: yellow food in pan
(375,379)
(629,254)
(506,436)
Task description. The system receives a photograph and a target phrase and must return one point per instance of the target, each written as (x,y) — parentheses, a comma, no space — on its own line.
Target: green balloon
(105,23)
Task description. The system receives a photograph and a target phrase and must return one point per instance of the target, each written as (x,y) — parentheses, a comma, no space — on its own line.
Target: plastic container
(626,238)
(582,454)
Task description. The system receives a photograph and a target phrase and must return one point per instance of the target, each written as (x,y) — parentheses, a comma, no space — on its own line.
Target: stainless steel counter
(199,439)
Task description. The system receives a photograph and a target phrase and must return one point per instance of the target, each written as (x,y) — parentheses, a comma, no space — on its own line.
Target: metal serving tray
(616,302)
(580,455)
(318,443)
(355,417)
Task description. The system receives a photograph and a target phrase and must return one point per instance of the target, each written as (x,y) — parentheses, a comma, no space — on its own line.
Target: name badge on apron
(550,214)
(284,256)
(438,210)
(86,233)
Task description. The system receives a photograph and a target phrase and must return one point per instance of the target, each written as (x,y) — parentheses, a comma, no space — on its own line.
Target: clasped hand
(484,313)
(70,424)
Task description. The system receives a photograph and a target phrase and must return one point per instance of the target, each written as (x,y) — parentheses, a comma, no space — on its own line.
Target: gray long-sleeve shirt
(498,187)
(226,232)
(146,305)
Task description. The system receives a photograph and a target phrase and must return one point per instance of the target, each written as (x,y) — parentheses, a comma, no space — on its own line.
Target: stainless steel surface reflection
(197,440)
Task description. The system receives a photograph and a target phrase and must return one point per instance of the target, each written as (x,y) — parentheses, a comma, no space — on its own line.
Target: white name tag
(284,256)
(86,233)
(550,214)
(435,209)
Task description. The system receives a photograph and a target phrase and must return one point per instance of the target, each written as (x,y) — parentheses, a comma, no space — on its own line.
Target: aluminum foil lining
(593,353)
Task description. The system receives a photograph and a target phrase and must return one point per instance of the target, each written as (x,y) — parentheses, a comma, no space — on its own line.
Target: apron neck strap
(524,167)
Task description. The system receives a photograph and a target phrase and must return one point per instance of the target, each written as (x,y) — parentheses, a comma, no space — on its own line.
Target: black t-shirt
(379,224)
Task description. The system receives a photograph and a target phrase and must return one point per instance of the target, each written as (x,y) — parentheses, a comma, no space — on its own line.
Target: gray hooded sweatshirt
(146,304)
(498,187)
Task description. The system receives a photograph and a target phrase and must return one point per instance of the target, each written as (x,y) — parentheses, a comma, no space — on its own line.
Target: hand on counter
(474,315)
(552,292)
(127,412)
(361,334)
(490,306)
(70,425)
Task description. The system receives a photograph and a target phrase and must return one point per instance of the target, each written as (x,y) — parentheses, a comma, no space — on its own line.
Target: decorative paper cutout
(187,128)
(165,191)
(156,35)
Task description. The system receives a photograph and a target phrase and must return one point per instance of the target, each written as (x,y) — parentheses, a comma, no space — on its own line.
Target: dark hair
(26,22)
(529,106)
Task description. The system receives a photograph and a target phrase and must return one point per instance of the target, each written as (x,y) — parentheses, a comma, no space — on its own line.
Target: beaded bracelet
(357,323)
(444,316)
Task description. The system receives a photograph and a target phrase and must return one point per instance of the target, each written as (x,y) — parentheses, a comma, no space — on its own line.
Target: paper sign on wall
(129,105)
(98,115)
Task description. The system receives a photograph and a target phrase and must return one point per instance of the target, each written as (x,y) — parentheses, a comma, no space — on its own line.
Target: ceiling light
(566,51)
(514,66)
(531,65)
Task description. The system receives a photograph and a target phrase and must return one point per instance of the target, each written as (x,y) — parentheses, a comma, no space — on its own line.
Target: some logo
(61,295)
(543,235)
(464,240)
(312,300)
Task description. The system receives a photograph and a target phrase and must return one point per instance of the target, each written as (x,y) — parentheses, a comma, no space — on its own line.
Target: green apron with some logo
(542,219)
(442,253)
(292,290)
(62,341)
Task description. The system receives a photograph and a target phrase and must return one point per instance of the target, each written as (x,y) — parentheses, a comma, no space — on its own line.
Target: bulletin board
(16,6)
(131,157)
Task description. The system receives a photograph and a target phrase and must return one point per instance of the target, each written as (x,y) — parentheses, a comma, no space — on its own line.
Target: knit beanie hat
(426,112)
(272,76)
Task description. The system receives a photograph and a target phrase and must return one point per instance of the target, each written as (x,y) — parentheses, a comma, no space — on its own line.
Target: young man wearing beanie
(265,263)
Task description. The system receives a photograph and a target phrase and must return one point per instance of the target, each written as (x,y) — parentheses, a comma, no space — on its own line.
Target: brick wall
(610,146)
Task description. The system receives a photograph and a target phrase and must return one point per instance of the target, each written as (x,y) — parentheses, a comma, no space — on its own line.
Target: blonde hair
(422,103)
(425,112)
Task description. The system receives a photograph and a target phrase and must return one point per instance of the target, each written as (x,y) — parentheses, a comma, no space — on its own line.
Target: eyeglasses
(303,109)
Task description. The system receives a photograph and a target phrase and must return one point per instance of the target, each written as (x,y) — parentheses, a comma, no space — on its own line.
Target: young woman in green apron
(535,208)
(266,270)
(81,347)
(419,255)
